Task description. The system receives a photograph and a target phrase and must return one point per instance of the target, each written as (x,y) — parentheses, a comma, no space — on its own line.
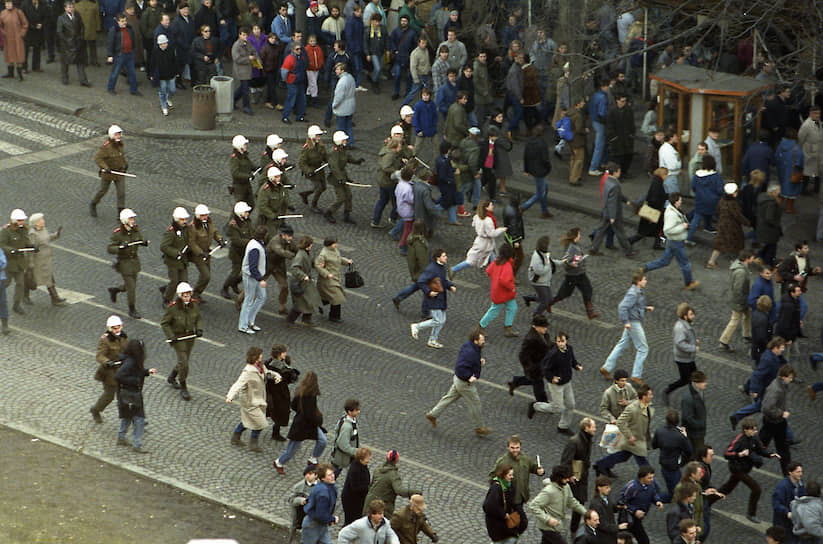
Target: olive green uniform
(199,236)
(174,247)
(311,158)
(128,263)
(272,201)
(241,171)
(278,251)
(180,320)
(13,239)
(109,348)
(111,156)
(338,159)
(239,232)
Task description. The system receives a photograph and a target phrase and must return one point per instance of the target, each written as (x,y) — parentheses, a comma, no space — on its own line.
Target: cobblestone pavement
(369,356)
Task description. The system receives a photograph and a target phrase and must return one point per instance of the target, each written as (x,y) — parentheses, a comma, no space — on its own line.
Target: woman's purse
(652,215)
(297,288)
(353,278)
(512,519)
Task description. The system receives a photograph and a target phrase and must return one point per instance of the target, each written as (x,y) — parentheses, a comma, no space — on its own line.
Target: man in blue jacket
(319,508)
(598,110)
(466,373)
(787,490)
(354,43)
(434,283)
(402,42)
(639,495)
(766,371)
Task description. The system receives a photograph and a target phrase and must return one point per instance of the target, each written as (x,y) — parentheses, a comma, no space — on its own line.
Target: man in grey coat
(343,103)
(776,415)
(425,207)
(685,348)
(612,214)
(373,528)
(738,300)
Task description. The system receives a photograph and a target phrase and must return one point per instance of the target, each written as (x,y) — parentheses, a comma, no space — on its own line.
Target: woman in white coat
(482,250)
(251,387)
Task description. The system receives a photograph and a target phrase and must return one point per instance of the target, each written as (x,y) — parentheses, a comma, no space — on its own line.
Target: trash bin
(203,107)
(225,94)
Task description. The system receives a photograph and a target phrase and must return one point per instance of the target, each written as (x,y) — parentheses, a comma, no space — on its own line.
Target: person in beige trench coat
(329,284)
(13,25)
(40,264)
(251,388)
(635,436)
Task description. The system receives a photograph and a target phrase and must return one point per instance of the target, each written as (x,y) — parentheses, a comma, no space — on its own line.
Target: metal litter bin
(203,107)
(225,94)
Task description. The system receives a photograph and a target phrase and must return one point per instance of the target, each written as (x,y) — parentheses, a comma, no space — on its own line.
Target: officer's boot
(5,324)
(347,219)
(56,299)
(134,314)
(26,299)
(225,292)
(172,380)
(113,293)
(184,391)
(304,195)
(253,444)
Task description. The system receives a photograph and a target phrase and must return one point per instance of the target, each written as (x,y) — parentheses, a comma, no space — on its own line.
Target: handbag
(577,469)
(652,215)
(513,518)
(797,175)
(297,288)
(353,278)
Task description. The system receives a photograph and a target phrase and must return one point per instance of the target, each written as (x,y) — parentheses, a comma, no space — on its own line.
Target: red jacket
(315,55)
(502,279)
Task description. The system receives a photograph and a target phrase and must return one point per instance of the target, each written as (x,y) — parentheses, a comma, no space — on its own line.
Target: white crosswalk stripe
(11,149)
(50,121)
(30,135)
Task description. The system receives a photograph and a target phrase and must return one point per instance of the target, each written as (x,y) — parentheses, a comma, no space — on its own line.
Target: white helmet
(396,129)
(180,213)
(201,209)
(239,141)
(340,137)
(273,140)
(278,155)
(240,208)
(113,321)
(114,129)
(315,130)
(273,172)
(406,110)
(183,287)
(126,214)
(18,215)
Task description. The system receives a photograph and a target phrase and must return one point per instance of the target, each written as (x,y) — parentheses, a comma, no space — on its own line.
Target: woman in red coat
(503,291)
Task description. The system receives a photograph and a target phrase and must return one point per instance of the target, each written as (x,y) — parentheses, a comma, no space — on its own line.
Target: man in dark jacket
(786,491)
(466,373)
(434,283)
(611,199)
(620,133)
(693,410)
(770,362)
(516,231)
(537,164)
(768,230)
(425,207)
(577,454)
(578,143)
(776,415)
(675,451)
(788,324)
(183,32)
(535,345)
(606,507)
(120,54)
(70,45)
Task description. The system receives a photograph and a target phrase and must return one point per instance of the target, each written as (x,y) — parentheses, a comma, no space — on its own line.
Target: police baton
(421,162)
(136,243)
(182,252)
(322,166)
(292,216)
(27,250)
(124,174)
(180,338)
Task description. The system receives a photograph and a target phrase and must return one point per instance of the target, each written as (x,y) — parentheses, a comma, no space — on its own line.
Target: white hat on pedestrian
(180,213)
(273,140)
(239,141)
(161,39)
(18,215)
(240,208)
(126,214)
(113,321)
(201,209)
(340,137)
(183,287)
(114,129)
(273,172)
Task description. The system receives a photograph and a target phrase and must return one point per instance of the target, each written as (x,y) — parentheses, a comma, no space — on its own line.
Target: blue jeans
(165,92)
(396,231)
(242,91)
(344,123)
(384,197)
(636,336)
(399,73)
(436,323)
(671,477)
(407,291)
(671,184)
(411,96)
(121,60)
(517,112)
(137,435)
(376,62)
(451,214)
(695,222)
(494,310)
(620,457)
(315,532)
(357,60)
(252,303)
(541,187)
(293,445)
(240,428)
(474,189)
(677,250)
(295,100)
(599,155)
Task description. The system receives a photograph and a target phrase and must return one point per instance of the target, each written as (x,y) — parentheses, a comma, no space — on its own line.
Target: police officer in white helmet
(242,168)
(175,249)
(111,157)
(125,241)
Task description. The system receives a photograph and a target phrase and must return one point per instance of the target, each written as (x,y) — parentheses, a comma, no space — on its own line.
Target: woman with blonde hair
(40,263)
(485,225)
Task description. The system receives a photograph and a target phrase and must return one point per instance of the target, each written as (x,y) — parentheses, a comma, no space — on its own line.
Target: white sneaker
(361,89)
(165,111)
(414,330)
(169,103)
(595,173)
(434,344)
(246,331)
(255,327)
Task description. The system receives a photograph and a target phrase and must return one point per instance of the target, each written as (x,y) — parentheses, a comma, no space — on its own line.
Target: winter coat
(327,264)
(401,45)
(788,318)
(343,104)
(35,15)
(738,463)
(307,418)
(675,449)
(789,158)
(271,55)
(559,364)
(386,486)
(457,123)
(484,242)
(740,286)
(693,412)
(807,516)
(375,41)
(502,157)
(278,397)
(635,421)
(765,372)
(759,156)
(531,88)
(502,282)
(810,138)
(434,270)
(579,448)
(524,466)
(321,503)
(407,524)
(578,129)
(784,494)
(467,84)
(314,56)
(620,130)
(355,489)
(41,263)
(611,200)
(363,531)
(425,207)
(446,182)
(514,81)
(346,442)
(109,348)
(353,33)
(708,188)
(184,33)
(251,388)
(138,51)
(445,96)
(610,409)
(301,267)
(114,42)
(130,389)
(536,160)
(554,501)
(241,65)
(685,341)
(677,513)
(163,65)
(496,505)
(404,195)
(13,26)
(418,255)
(89,13)
(70,36)
(425,118)
(769,214)
(730,225)
(541,269)
(762,332)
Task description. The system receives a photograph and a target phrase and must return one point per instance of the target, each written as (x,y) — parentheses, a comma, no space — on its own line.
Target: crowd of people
(448,155)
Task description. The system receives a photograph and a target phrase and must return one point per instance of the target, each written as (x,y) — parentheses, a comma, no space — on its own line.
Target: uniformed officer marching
(14,236)
(278,159)
(182,318)
(109,348)
(125,241)
(242,169)
(272,200)
(338,159)
(111,156)
(239,232)
(312,156)
(200,233)
(406,116)
(280,249)
(273,142)
(175,249)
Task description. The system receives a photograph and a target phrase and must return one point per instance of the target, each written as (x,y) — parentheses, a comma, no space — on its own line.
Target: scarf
(505,484)
(494,220)
(371,31)
(259,366)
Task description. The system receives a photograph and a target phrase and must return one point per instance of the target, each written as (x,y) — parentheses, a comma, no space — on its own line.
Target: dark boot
(113,293)
(292,316)
(56,299)
(92,209)
(5,324)
(275,434)
(235,439)
(347,219)
(334,313)
(184,391)
(134,314)
(225,293)
(329,217)
(590,311)
(19,73)
(26,299)
(254,444)
(172,380)
(11,72)
(304,196)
